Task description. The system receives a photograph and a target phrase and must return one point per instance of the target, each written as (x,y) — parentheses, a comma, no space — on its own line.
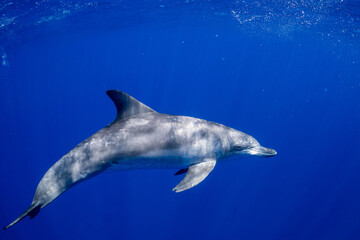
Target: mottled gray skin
(149,140)
(145,140)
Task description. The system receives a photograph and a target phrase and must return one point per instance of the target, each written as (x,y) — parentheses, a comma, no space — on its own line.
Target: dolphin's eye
(238,148)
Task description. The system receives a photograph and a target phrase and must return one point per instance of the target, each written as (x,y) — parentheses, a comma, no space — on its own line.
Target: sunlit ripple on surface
(334,20)
(327,18)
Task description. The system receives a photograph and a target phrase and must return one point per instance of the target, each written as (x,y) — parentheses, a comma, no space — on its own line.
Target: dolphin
(141,138)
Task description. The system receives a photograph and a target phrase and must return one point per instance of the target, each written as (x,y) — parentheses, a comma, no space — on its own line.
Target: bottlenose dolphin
(141,138)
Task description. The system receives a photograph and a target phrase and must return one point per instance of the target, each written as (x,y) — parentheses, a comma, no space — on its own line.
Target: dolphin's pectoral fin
(181,171)
(195,175)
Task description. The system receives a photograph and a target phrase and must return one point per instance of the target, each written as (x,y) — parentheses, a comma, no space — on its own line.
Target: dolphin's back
(142,141)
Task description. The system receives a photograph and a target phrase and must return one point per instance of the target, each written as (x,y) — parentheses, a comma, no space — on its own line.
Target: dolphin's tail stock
(32,211)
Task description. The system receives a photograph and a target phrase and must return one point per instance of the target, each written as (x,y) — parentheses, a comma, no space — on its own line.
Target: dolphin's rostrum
(143,138)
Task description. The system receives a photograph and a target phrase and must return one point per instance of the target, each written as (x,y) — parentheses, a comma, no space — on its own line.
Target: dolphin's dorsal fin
(126,105)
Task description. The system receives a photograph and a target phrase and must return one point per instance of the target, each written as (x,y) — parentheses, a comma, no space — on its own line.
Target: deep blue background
(298,94)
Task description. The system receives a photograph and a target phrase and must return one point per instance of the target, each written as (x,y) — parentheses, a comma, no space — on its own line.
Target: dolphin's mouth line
(260,151)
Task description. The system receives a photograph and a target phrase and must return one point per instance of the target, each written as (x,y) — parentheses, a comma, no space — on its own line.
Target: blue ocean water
(285,72)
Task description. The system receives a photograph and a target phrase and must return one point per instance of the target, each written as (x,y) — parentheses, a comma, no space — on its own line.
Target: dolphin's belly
(166,159)
(151,163)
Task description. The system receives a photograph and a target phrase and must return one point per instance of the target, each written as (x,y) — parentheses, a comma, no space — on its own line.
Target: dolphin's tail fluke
(32,211)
